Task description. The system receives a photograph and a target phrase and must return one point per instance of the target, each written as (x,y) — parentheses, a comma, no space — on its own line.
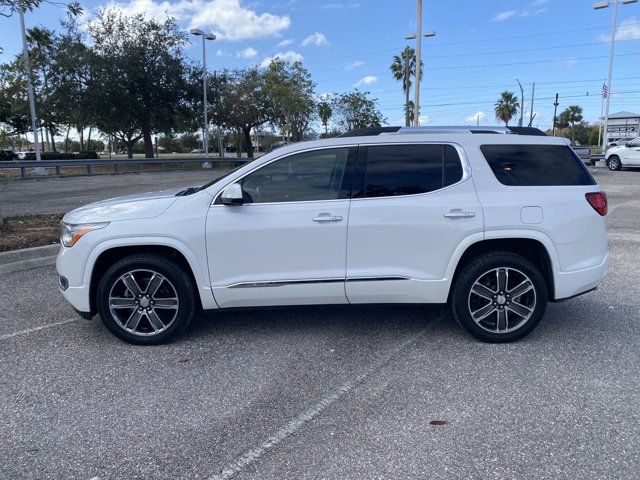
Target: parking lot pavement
(332,392)
(59,195)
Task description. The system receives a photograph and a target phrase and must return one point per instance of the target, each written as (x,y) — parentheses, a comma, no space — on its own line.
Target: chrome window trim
(311,281)
(281,157)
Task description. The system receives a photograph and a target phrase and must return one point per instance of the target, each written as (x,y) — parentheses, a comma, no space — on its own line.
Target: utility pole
(416,97)
(418,36)
(555,110)
(521,102)
(533,95)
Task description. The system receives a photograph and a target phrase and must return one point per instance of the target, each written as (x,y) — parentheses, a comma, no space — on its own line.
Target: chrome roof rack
(372,131)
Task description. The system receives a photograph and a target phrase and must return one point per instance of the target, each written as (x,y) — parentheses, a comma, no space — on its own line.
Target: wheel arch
(534,249)
(102,258)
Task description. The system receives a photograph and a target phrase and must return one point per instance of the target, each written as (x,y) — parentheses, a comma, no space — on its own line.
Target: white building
(622,127)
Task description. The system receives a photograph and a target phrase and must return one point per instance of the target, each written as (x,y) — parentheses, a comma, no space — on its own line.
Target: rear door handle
(327,217)
(458,214)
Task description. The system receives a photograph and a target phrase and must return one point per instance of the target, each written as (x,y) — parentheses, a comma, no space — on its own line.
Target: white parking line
(36,329)
(251,456)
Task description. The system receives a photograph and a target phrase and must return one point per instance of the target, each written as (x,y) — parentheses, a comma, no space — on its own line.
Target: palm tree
(507,107)
(325,112)
(403,68)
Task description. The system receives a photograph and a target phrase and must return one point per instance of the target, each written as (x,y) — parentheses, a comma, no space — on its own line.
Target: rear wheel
(146,299)
(614,163)
(499,297)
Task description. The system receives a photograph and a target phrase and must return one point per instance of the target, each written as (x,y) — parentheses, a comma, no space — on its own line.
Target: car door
(286,244)
(632,153)
(412,206)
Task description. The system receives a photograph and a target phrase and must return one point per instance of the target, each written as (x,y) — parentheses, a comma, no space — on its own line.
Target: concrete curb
(17,260)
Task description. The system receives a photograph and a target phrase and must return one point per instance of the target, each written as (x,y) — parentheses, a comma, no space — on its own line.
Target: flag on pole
(605,90)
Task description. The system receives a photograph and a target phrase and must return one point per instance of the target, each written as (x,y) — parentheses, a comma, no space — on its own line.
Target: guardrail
(23,165)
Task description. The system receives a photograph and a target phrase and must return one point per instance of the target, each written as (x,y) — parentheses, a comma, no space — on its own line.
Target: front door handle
(327,217)
(458,214)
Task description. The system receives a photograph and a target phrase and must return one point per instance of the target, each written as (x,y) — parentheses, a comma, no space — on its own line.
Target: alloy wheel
(143,302)
(502,300)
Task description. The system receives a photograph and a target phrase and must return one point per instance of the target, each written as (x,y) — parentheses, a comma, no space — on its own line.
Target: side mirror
(628,144)
(232,195)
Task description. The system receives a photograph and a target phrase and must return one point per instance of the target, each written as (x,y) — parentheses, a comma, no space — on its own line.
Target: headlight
(70,234)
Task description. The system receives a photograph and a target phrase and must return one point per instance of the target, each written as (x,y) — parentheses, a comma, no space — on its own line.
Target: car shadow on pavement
(316,319)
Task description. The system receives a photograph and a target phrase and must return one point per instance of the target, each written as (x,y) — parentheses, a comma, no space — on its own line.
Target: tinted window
(536,165)
(315,175)
(409,169)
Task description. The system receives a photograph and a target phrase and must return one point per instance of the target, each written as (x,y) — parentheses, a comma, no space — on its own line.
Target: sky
(481,48)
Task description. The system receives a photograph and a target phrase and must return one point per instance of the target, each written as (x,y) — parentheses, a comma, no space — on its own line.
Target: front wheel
(499,297)
(614,163)
(146,299)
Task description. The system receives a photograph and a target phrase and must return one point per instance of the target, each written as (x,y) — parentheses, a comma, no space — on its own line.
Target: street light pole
(32,104)
(614,19)
(205,130)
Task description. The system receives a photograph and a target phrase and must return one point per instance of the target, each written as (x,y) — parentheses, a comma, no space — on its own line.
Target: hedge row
(62,156)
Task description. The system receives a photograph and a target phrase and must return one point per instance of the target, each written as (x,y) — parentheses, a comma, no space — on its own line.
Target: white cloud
(568,63)
(247,53)
(288,56)
(285,43)
(220,52)
(502,16)
(629,29)
(366,80)
(318,39)
(226,18)
(473,118)
(424,120)
(356,64)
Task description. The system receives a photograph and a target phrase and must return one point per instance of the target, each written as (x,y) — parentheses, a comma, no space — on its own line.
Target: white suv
(625,155)
(494,224)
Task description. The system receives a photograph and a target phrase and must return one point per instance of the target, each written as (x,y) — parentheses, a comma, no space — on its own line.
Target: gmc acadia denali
(495,222)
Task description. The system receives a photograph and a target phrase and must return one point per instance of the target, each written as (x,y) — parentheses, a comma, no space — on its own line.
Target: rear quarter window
(536,165)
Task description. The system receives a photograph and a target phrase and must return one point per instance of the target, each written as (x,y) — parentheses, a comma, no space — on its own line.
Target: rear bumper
(571,284)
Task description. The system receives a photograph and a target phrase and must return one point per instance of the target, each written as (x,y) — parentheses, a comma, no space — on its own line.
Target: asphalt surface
(333,392)
(59,195)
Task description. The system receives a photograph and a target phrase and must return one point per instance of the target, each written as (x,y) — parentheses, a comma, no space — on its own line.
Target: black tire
(463,301)
(175,281)
(614,163)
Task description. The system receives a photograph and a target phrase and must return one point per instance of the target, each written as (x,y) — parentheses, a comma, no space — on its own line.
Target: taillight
(598,200)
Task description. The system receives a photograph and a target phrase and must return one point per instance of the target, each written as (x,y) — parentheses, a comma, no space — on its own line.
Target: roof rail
(372,131)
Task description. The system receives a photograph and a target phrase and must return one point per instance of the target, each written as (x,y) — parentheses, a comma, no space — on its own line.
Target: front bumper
(571,284)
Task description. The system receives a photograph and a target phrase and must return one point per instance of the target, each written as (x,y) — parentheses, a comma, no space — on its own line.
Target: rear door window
(393,170)
(536,165)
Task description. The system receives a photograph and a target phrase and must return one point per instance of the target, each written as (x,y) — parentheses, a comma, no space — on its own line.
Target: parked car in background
(585,154)
(627,155)
(197,150)
(494,225)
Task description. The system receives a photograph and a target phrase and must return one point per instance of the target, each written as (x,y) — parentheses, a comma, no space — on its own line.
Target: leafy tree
(325,112)
(356,110)
(570,117)
(403,68)
(248,103)
(507,107)
(9,7)
(139,60)
(290,89)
